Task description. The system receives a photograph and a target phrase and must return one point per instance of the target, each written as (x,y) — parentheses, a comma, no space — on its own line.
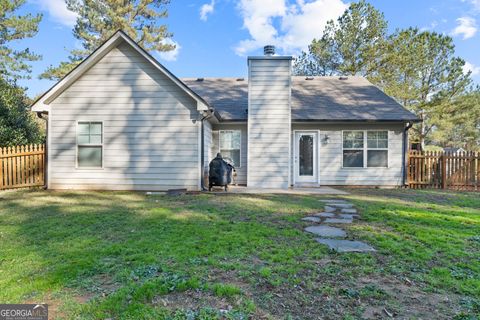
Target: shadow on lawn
(76,236)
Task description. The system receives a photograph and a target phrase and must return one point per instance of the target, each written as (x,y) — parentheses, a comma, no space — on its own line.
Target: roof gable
(42,104)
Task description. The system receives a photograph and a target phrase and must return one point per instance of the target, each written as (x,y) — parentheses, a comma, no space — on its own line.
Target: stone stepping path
(337,212)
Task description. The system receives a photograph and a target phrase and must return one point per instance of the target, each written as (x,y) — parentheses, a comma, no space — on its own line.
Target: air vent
(343,78)
(200,79)
(309,78)
(269,50)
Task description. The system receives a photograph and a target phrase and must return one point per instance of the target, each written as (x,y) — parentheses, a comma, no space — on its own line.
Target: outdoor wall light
(326,138)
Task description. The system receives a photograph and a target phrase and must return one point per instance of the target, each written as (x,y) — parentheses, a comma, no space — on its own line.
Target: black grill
(220,173)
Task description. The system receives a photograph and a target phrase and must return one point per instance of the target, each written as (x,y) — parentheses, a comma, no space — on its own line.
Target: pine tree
(420,70)
(14,27)
(350,46)
(99,19)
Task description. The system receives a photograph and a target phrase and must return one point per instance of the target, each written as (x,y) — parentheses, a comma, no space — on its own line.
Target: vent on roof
(343,78)
(269,50)
(200,79)
(309,78)
(240,79)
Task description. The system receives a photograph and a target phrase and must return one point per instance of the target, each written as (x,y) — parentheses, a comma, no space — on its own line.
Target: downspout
(202,150)
(405,150)
(41,115)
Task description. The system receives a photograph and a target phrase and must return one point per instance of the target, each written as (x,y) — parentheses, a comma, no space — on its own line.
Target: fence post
(1,169)
(444,171)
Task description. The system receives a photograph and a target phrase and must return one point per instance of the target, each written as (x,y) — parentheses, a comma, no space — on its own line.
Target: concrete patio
(323,190)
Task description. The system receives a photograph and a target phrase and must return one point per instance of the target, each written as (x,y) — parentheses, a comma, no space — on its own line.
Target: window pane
(358,144)
(377,139)
(353,139)
(382,144)
(95,128)
(96,139)
(236,140)
(353,159)
(382,135)
(90,157)
(83,139)
(83,128)
(348,144)
(233,155)
(377,158)
(230,139)
(306,155)
(372,143)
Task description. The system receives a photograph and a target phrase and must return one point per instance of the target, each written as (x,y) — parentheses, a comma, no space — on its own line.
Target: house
(454,150)
(121,121)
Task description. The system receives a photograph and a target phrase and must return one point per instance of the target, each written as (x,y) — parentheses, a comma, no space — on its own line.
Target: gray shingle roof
(320,99)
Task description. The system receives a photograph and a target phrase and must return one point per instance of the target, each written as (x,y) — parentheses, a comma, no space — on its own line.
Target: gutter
(41,115)
(209,114)
(405,150)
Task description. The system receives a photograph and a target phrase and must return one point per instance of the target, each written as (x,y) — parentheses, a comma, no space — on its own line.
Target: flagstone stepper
(327,231)
(338,220)
(345,245)
(325,214)
(311,219)
(330,209)
(341,205)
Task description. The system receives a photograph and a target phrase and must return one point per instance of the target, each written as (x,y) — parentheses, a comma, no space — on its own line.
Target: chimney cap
(269,50)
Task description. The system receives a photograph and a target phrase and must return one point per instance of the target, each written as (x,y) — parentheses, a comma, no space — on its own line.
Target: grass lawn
(99,255)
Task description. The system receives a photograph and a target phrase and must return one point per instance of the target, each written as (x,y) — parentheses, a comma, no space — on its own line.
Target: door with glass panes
(305,157)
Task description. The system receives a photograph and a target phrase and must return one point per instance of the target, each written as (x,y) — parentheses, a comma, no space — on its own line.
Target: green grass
(97,255)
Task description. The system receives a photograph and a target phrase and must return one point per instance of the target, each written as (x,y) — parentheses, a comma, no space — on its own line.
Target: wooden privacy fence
(22,166)
(460,171)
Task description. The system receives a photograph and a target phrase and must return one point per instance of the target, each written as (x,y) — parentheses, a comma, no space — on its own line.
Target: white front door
(305,156)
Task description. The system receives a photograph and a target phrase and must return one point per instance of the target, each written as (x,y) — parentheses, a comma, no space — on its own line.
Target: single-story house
(121,121)
(454,150)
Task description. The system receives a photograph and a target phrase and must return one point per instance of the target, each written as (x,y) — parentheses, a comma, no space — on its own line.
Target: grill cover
(220,173)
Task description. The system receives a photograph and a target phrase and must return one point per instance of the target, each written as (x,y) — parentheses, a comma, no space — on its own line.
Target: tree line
(419,69)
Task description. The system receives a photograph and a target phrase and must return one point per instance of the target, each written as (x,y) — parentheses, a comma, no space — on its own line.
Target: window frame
(377,149)
(220,132)
(366,148)
(89,145)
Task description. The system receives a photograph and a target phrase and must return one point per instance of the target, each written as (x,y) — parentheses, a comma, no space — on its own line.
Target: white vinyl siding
(330,155)
(269,122)
(150,128)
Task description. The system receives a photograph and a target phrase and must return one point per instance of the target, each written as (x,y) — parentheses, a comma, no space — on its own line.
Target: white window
(377,149)
(230,141)
(365,149)
(353,145)
(90,144)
